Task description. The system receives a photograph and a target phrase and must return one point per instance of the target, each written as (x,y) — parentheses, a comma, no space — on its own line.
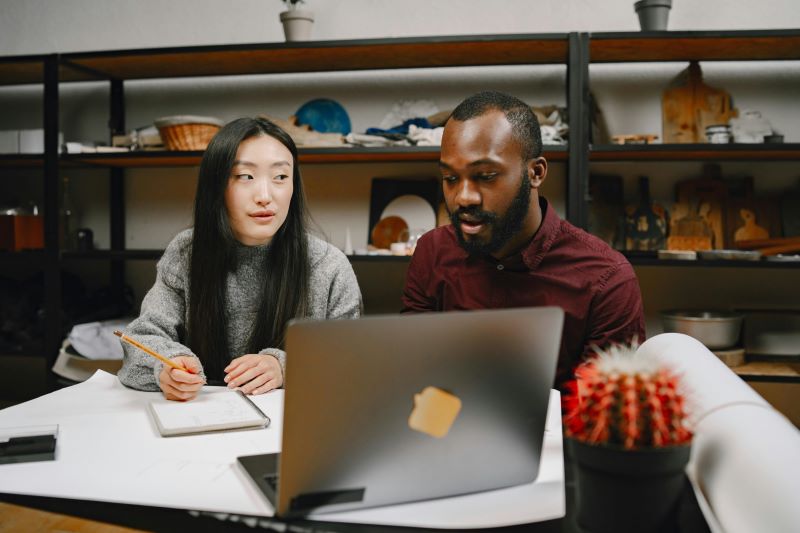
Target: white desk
(109,450)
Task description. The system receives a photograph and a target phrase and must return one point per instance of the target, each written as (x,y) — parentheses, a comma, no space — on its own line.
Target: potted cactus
(627,427)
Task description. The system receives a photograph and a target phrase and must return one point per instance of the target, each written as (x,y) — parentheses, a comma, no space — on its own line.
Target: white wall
(42,26)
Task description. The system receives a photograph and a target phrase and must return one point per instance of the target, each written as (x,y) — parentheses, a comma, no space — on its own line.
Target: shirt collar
(542,241)
(531,256)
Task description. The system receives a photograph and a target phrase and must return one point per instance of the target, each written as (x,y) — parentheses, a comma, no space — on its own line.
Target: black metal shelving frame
(576,51)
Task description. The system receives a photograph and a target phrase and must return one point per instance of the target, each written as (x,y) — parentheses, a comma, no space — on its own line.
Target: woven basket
(187,132)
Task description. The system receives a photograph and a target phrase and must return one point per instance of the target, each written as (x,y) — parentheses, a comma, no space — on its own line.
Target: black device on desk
(400,408)
(23,445)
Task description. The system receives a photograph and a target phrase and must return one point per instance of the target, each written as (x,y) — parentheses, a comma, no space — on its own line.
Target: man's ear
(537,171)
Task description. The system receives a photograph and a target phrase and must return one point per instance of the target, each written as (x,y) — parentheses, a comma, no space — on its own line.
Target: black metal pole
(579,127)
(52,265)
(116,125)
(116,121)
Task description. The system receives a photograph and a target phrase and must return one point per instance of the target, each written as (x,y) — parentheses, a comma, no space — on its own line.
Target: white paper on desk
(109,450)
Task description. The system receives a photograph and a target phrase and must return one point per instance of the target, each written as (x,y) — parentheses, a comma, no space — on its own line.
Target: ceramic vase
(628,491)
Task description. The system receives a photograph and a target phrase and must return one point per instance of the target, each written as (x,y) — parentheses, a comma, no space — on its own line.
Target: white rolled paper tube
(709,383)
(745,462)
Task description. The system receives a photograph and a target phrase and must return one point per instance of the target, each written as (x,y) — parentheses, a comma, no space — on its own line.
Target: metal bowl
(715,329)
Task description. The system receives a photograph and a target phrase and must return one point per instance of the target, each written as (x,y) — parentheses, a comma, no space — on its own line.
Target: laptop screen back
(397,408)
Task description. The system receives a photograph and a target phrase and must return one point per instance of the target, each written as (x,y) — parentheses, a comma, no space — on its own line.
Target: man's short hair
(524,124)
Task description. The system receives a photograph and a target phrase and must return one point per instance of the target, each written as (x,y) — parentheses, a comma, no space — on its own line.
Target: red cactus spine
(619,399)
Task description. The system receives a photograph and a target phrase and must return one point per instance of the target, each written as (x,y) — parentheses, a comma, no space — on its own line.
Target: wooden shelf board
(155,254)
(395,154)
(322,56)
(769,371)
(146,254)
(379,258)
(135,159)
(700,46)
(307,156)
(414,52)
(21,73)
(21,70)
(653,261)
(21,160)
(696,152)
(25,70)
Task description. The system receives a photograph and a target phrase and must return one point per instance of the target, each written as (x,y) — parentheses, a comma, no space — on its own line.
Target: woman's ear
(537,171)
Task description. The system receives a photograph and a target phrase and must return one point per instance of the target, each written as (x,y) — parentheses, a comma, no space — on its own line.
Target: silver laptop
(398,408)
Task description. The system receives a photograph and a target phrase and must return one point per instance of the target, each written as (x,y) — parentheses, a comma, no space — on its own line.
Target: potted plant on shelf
(653,14)
(296,22)
(627,429)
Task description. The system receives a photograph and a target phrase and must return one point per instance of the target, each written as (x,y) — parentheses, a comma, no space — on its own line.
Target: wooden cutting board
(760,221)
(710,194)
(748,227)
(688,229)
(747,217)
(688,105)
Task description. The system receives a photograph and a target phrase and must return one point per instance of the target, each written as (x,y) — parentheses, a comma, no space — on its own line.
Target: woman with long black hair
(226,288)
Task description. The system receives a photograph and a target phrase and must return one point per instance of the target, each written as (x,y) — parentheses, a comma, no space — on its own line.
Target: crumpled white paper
(407,109)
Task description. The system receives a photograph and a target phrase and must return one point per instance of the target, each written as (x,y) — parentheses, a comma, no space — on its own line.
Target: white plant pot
(297,24)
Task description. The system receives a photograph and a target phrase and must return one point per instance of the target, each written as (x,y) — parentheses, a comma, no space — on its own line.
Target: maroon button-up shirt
(562,266)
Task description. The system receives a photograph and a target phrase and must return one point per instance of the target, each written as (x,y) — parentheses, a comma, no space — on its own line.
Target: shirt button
(500,267)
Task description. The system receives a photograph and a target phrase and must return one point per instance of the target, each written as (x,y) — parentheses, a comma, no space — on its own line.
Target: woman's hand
(254,373)
(178,384)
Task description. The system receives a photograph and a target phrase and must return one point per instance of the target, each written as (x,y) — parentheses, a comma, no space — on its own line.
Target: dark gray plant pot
(653,14)
(628,491)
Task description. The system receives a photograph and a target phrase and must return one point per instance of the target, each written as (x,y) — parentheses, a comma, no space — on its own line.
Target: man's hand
(178,384)
(254,373)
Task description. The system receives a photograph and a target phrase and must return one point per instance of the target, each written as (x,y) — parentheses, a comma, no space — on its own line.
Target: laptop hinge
(313,500)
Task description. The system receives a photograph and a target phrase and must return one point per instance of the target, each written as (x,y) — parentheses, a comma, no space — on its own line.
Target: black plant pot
(622,491)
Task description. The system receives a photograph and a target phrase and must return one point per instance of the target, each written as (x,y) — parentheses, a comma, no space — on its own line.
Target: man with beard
(507,247)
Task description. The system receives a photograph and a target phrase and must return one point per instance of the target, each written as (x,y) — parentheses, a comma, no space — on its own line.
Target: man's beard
(501,229)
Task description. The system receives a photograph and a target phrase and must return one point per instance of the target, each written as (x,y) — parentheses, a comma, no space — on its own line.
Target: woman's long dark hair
(284,293)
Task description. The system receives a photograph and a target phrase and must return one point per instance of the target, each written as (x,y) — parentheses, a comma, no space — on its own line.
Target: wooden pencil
(148,351)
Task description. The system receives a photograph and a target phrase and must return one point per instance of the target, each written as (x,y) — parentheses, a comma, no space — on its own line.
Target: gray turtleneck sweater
(161,326)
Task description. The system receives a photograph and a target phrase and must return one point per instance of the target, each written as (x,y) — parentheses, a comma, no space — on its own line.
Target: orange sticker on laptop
(434,412)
